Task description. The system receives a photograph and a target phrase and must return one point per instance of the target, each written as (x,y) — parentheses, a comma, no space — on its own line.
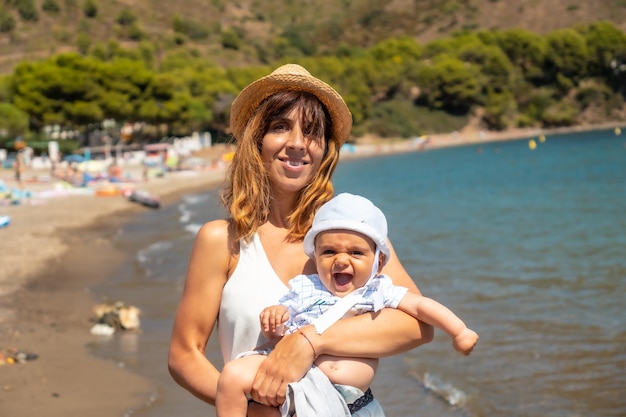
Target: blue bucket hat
(349,212)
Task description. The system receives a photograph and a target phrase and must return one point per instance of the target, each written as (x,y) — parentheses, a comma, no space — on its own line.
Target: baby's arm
(436,314)
(272,319)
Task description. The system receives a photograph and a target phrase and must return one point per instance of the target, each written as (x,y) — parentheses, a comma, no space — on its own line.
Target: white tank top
(253,286)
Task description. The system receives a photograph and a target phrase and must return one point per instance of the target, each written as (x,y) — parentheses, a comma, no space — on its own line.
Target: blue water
(527,246)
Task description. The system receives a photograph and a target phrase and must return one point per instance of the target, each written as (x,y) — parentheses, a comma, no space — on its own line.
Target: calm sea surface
(527,246)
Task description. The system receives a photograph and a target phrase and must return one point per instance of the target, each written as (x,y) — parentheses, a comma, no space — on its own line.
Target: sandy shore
(52,252)
(55,249)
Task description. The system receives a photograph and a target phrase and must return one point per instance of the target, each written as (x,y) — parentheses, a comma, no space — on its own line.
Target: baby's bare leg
(234,384)
(356,372)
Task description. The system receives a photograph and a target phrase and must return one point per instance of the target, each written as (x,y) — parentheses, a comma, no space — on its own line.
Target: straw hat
(296,78)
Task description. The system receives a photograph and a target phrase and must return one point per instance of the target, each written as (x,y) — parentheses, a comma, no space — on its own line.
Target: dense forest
(397,82)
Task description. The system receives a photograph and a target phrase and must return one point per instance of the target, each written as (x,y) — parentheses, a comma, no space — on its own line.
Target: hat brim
(342,224)
(295,78)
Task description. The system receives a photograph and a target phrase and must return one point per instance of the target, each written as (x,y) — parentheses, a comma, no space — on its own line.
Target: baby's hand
(465,341)
(273,317)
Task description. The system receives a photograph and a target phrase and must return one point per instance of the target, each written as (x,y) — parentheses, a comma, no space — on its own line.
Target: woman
(289,126)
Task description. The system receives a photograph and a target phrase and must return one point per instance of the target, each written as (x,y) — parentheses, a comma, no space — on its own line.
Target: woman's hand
(288,362)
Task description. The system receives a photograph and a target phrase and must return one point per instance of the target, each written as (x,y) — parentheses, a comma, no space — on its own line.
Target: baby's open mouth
(342,279)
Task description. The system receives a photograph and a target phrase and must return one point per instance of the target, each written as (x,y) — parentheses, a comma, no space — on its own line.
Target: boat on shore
(144,198)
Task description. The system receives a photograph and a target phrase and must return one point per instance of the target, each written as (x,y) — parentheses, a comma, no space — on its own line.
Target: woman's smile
(293,162)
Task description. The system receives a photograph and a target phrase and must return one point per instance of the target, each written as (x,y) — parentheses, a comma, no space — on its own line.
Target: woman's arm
(197,312)
(377,335)
(372,335)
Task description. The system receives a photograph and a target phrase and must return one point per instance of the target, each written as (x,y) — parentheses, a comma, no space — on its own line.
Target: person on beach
(114,171)
(18,169)
(348,242)
(289,128)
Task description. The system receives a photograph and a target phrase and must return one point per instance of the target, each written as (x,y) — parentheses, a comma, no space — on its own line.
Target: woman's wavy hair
(247,192)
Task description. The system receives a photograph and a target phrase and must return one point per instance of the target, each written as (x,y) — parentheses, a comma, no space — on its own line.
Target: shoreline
(53,251)
(50,318)
(373,146)
(49,263)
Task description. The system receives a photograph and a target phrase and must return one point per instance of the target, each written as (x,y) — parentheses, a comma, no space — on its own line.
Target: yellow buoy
(542,138)
(618,130)
(532,144)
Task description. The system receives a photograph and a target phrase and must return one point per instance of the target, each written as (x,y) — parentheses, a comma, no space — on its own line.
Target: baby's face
(344,260)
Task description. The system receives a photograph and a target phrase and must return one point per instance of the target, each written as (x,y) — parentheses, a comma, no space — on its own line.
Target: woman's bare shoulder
(218,234)
(215,228)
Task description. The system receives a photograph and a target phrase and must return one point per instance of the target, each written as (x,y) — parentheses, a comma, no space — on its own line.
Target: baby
(348,241)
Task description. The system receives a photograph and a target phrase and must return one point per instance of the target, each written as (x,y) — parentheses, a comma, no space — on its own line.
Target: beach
(55,250)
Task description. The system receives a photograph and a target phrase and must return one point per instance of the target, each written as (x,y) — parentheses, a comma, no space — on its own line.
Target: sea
(527,244)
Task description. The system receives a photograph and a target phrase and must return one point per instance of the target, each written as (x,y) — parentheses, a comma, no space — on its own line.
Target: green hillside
(245,32)
(405,68)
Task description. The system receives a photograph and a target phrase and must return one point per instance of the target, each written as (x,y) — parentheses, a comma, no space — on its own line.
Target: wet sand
(54,251)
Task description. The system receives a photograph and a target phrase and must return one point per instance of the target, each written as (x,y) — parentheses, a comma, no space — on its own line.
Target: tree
(607,53)
(28,92)
(351,78)
(231,40)
(526,51)
(90,9)
(394,48)
(126,17)
(495,68)
(27,10)
(393,119)
(295,36)
(562,113)
(533,105)
(51,6)
(567,54)
(192,113)
(500,109)
(125,83)
(165,102)
(13,120)
(191,29)
(83,113)
(452,45)
(450,84)
(7,22)
(61,90)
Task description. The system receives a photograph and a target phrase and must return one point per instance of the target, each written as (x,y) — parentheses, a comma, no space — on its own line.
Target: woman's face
(292,157)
